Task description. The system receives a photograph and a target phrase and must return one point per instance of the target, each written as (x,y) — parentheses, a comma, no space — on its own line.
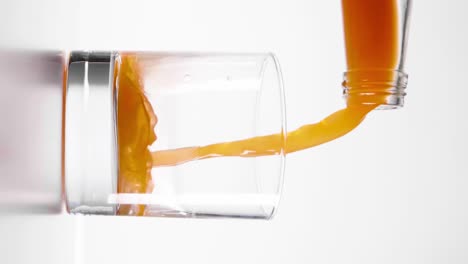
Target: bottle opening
(385,88)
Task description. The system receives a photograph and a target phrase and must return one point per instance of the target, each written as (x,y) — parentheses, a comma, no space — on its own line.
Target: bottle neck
(385,88)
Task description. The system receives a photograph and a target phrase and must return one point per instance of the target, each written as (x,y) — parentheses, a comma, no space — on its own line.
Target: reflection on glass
(30,131)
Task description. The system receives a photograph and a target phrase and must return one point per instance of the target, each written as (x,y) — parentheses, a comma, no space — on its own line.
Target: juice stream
(371,37)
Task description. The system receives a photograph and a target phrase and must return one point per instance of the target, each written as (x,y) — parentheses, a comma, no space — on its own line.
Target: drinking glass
(196,99)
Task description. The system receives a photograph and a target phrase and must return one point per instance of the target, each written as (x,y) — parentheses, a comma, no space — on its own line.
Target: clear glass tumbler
(126,111)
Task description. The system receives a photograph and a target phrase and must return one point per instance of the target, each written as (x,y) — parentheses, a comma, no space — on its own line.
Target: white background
(392,191)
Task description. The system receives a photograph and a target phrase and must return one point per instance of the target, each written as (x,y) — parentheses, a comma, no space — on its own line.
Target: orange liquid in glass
(371,43)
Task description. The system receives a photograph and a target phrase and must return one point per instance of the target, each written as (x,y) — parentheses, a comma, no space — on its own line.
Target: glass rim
(272,61)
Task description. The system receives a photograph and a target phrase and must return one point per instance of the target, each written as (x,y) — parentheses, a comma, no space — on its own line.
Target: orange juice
(372,50)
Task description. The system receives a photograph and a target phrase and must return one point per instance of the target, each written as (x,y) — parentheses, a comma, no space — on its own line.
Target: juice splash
(372,48)
(135,121)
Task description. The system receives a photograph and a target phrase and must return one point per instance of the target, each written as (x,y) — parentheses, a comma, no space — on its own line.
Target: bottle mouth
(385,88)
